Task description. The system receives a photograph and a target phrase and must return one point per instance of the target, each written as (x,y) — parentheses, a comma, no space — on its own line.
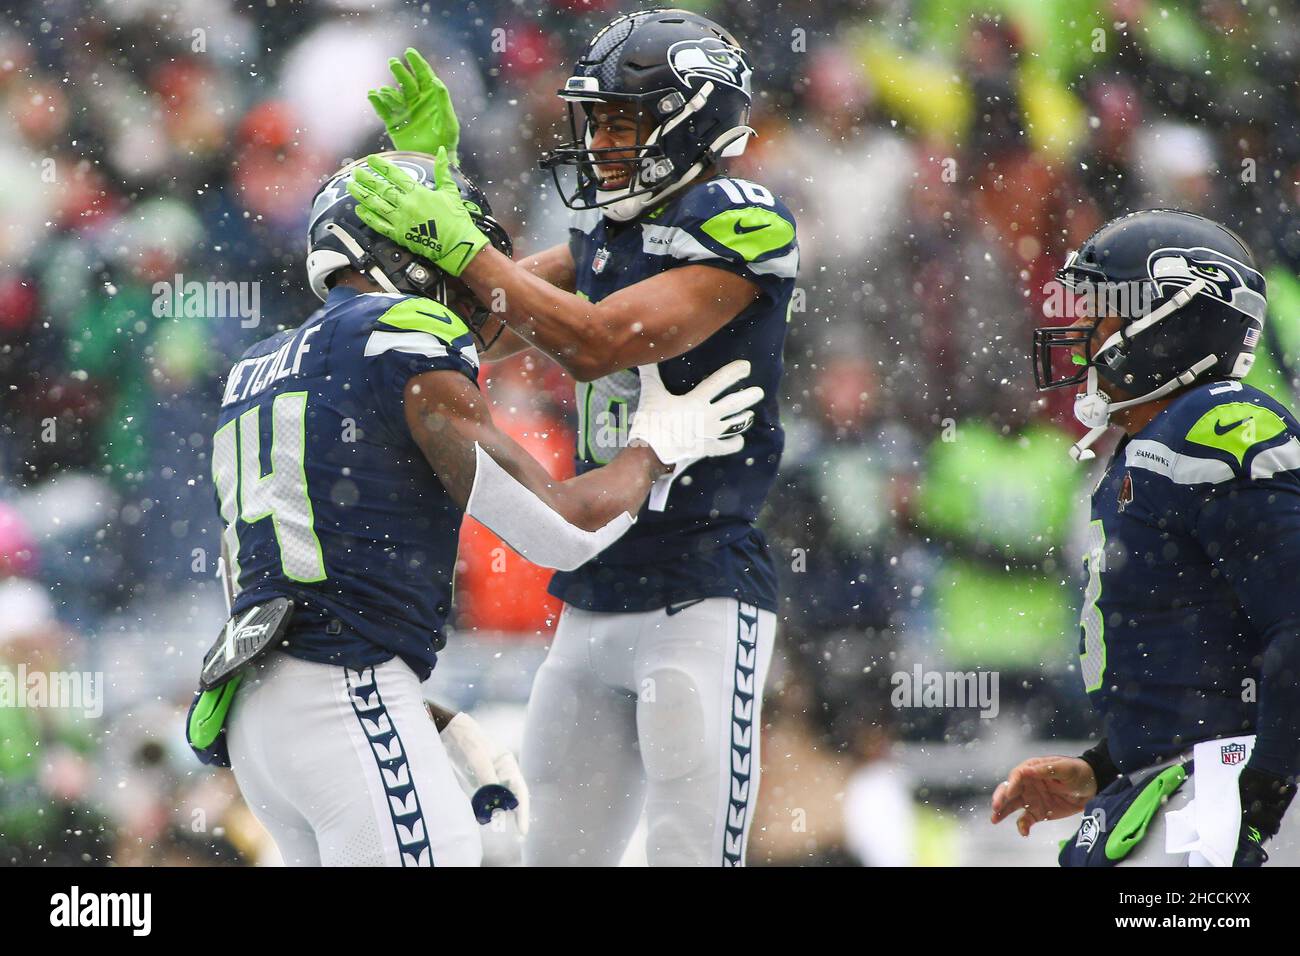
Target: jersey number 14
(246,494)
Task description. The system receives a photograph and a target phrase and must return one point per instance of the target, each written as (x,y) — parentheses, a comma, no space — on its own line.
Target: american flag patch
(1252,337)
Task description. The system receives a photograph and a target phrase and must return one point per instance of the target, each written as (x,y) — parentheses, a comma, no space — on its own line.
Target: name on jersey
(254,375)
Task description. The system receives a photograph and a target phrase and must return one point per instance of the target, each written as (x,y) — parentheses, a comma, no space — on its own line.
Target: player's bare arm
(553,265)
(651,321)
(562,523)
(447,415)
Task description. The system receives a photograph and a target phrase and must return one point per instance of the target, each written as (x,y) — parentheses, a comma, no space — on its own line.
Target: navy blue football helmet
(1159,253)
(1193,309)
(337,239)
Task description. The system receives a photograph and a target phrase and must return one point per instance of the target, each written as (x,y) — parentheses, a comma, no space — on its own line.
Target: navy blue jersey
(704,544)
(325,497)
(1191,621)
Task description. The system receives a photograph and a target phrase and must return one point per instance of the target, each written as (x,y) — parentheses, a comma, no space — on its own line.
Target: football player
(1190,643)
(651,694)
(347,450)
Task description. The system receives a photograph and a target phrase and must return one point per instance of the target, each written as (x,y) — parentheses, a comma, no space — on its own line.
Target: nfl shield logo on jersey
(1233,753)
(1126,491)
(599,259)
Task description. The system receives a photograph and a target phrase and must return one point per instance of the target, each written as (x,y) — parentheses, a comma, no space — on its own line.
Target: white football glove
(682,429)
(486,767)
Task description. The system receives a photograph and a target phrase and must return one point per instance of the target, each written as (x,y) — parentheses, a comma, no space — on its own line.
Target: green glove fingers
(461,240)
(387,103)
(376,185)
(372,208)
(442,176)
(432,223)
(417,114)
(386,173)
(406,82)
(374,220)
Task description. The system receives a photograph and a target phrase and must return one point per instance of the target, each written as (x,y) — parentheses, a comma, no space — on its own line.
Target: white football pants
(649,710)
(345,767)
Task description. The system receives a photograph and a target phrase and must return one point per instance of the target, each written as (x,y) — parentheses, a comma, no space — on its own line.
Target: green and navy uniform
(325,497)
(1191,622)
(651,695)
(704,544)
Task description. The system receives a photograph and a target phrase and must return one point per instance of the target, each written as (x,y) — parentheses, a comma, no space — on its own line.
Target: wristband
(1103,768)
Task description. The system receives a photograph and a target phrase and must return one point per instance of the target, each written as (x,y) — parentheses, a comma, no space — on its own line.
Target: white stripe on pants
(653,710)
(345,767)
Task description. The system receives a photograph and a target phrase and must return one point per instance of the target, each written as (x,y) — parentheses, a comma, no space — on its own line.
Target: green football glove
(417,113)
(432,223)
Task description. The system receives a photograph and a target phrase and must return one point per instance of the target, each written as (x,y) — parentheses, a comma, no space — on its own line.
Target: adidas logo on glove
(425,235)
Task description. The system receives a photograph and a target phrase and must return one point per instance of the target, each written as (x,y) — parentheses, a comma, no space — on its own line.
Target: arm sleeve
(1251,531)
(532,529)
(734,225)
(413,337)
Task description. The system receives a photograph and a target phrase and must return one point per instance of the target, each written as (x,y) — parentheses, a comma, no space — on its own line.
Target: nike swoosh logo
(678,608)
(434,315)
(1220,429)
(741,229)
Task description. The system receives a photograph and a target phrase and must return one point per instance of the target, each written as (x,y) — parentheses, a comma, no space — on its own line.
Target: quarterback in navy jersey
(346,453)
(650,697)
(1190,630)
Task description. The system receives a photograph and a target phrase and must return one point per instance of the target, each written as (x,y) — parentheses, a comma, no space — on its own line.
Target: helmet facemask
(643,160)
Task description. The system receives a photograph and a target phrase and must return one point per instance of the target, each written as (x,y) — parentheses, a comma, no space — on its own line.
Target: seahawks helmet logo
(336,189)
(1226,278)
(694,61)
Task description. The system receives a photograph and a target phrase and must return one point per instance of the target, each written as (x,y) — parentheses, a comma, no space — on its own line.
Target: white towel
(1208,827)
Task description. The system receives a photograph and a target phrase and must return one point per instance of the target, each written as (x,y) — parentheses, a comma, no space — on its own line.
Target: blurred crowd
(941,157)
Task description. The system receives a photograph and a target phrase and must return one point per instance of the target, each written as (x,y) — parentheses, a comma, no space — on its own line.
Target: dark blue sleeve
(736,226)
(1251,531)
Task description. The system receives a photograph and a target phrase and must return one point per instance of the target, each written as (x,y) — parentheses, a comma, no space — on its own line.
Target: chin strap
(1082,449)
(361,256)
(1079,451)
